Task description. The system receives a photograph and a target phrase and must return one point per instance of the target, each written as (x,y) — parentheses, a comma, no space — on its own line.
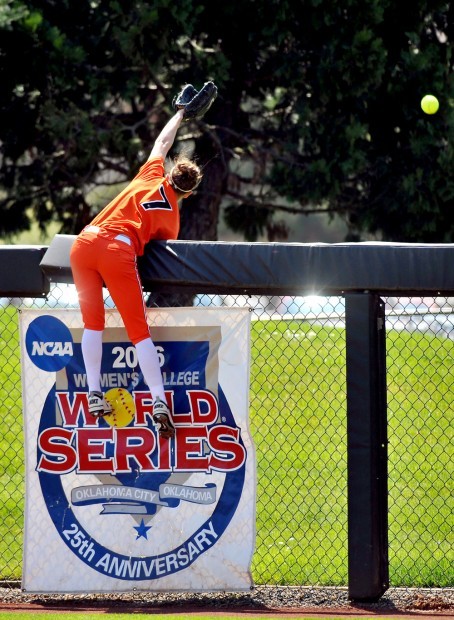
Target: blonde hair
(185,175)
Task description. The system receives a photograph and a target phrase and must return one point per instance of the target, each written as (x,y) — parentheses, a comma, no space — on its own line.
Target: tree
(318,110)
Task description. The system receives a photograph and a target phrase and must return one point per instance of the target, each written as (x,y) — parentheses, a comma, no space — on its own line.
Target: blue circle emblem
(49,343)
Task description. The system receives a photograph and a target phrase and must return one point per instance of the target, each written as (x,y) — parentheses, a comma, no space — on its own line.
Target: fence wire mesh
(420,380)
(298,422)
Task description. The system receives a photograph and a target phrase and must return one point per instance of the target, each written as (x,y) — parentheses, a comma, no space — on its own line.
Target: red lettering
(164,454)
(203,408)
(227,454)
(70,411)
(144,407)
(110,450)
(140,452)
(190,449)
(59,456)
(198,398)
(92,445)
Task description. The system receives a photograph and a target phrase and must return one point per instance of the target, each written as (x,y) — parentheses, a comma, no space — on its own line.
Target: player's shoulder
(153,168)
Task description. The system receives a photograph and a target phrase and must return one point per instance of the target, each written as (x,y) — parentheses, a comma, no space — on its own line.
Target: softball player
(105,253)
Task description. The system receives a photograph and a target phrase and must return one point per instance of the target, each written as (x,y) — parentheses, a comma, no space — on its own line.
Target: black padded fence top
(276,268)
(20,271)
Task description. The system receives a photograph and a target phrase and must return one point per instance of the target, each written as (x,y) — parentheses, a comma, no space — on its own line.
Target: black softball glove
(184,97)
(195,104)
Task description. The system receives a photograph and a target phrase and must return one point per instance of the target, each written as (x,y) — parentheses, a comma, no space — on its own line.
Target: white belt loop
(123,238)
(93,229)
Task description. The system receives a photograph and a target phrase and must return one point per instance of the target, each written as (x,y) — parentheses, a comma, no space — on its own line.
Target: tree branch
(249,201)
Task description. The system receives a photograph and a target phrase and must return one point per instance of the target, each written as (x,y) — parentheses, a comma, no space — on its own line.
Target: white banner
(111,506)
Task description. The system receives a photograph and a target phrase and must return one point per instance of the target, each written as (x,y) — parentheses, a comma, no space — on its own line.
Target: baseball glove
(195,104)
(184,97)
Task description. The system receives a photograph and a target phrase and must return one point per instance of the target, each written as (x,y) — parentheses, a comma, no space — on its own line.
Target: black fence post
(368,576)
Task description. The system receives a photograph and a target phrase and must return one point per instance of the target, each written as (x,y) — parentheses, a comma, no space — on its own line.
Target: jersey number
(162,204)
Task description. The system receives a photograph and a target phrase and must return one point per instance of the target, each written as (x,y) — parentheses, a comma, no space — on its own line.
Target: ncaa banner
(109,504)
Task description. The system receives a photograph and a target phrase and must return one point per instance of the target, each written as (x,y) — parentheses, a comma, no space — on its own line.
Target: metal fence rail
(298,422)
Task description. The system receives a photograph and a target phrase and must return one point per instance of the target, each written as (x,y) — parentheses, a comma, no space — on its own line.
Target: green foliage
(322,104)
(10,12)
(237,219)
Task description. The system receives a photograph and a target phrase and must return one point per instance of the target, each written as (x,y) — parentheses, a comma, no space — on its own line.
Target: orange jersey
(146,209)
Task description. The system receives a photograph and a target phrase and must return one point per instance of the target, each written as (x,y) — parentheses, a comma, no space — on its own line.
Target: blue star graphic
(142,530)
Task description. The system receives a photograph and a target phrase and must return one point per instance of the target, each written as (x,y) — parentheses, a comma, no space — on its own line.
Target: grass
(421,455)
(11,448)
(301,456)
(298,422)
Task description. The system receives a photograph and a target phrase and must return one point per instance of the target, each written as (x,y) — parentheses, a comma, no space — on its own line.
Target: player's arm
(167,136)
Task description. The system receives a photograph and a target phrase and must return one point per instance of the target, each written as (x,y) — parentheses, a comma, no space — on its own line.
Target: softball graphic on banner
(112,506)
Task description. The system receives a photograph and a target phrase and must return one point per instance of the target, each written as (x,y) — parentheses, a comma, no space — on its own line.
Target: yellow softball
(429,104)
(123,408)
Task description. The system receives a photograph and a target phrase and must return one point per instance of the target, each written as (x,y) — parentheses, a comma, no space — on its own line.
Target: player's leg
(149,364)
(89,284)
(84,257)
(122,279)
(91,346)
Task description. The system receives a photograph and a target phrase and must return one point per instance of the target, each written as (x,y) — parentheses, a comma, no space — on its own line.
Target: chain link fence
(420,361)
(298,422)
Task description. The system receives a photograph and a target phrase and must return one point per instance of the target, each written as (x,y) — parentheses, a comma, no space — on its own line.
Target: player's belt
(97,229)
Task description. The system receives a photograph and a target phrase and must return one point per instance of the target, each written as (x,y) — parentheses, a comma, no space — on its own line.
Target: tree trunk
(200,212)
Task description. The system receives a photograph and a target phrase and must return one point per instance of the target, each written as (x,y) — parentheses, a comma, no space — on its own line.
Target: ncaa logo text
(49,343)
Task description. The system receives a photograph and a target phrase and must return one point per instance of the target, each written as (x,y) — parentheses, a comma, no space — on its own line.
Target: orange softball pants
(99,258)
